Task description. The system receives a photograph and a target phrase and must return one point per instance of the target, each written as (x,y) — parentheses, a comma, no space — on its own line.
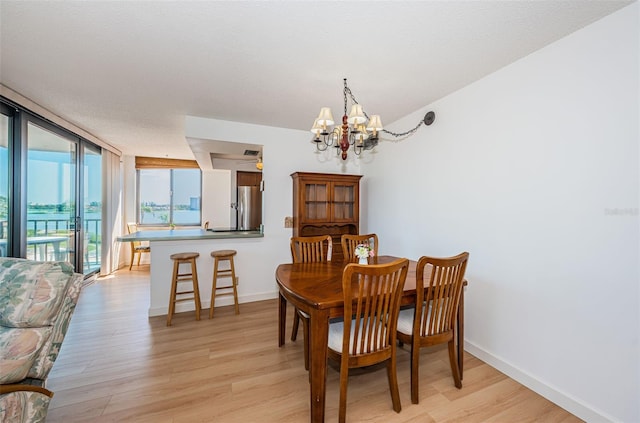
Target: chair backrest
(350,242)
(311,249)
(133,228)
(445,282)
(372,298)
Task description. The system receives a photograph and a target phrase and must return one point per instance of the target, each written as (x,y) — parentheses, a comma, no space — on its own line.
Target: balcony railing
(56,249)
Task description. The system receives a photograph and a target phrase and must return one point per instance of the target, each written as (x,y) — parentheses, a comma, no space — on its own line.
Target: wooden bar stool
(219,256)
(184,258)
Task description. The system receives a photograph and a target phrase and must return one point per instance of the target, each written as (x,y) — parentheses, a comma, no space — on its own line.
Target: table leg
(319,331)
(282,319)
(56,251)
(460,333)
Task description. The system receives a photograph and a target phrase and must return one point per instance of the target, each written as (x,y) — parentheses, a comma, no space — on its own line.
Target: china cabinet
(326,204)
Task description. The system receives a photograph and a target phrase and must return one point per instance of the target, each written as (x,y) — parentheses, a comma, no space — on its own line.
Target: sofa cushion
(31,293)
(24,406)
(18,350)
(47,356)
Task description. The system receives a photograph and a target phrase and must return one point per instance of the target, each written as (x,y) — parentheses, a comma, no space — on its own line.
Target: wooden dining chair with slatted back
(434,322)
(350,242)
(137,247)
(367,336)
(308,249)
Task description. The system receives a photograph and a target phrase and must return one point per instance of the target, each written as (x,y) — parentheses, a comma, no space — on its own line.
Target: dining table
(316,288)
(40,244)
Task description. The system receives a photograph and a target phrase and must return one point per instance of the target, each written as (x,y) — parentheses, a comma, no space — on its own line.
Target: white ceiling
(129,71)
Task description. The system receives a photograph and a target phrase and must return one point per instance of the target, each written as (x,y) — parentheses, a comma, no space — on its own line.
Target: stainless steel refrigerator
(249,208)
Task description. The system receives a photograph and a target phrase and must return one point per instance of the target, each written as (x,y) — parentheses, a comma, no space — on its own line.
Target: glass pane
(186,196)
(155,196)
(92,200)
(4,183)
(51,193)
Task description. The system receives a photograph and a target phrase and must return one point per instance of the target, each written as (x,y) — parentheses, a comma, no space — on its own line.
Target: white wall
(534,171)
(216,197)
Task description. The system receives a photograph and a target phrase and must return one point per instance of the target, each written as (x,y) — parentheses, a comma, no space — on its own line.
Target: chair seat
(405,319)
(143,249)
(335,336)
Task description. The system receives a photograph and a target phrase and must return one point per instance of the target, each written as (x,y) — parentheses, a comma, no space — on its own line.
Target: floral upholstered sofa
(37,300)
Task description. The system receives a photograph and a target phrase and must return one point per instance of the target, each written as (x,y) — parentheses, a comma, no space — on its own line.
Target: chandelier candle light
(357,129)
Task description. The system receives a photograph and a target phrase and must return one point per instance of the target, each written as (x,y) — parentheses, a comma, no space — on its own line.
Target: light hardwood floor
(118,365)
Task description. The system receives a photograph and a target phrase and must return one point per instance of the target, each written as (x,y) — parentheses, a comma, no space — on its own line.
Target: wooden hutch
(326,204)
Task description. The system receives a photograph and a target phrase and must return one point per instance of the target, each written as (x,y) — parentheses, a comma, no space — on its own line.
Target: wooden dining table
(316,288)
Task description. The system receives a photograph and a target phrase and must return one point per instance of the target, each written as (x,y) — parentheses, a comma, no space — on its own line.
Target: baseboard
(220,302)
(562,399)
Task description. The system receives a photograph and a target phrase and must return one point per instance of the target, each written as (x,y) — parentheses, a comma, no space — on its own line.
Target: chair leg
(344,379)
(393,383)
(133,255)
(296,320)
(415,372)
(139,257)
(455,370)
(307,342)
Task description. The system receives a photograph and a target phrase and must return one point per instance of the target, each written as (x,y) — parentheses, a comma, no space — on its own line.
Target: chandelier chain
(395,134)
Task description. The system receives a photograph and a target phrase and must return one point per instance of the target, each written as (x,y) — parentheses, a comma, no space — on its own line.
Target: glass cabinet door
(316,201)
(343,205)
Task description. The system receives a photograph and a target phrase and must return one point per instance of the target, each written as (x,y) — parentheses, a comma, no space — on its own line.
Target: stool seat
(220,256)
(178,259)
(223,253)
(184,256)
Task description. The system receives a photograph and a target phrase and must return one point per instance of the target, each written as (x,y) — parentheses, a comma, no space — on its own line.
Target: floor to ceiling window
(51,196)
(55,176)
(4,183)
(92,207)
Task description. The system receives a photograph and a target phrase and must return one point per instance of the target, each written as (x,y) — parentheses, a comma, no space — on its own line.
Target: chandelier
(358,130)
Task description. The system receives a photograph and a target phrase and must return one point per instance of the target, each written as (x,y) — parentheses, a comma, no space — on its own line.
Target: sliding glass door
(4,183)
(52,229)
(92,207)
(50,191)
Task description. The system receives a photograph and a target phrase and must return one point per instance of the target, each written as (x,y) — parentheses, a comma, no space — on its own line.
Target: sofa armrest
(16,387)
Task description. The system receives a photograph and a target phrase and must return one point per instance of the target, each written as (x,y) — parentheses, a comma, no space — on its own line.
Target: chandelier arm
(402,134)
(394,134)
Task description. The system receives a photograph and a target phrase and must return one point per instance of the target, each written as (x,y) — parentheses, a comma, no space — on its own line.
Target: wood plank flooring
(119,365)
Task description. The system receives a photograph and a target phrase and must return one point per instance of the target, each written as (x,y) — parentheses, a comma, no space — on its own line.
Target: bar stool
(220,256)
(184,258)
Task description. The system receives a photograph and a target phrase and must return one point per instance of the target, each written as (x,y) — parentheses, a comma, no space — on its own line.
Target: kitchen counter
(164,243)
(187,234)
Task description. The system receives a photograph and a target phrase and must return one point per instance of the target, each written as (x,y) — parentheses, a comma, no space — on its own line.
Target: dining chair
(372,296)
(433,323)
(350,242)
(137,247)
(308,249)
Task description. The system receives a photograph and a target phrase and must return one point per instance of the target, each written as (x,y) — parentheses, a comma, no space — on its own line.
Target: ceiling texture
(128,72)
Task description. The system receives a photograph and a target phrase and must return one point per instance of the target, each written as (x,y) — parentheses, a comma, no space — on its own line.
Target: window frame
(170,220)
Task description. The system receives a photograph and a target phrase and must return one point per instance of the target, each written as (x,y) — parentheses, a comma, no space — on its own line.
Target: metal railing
(61,227)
